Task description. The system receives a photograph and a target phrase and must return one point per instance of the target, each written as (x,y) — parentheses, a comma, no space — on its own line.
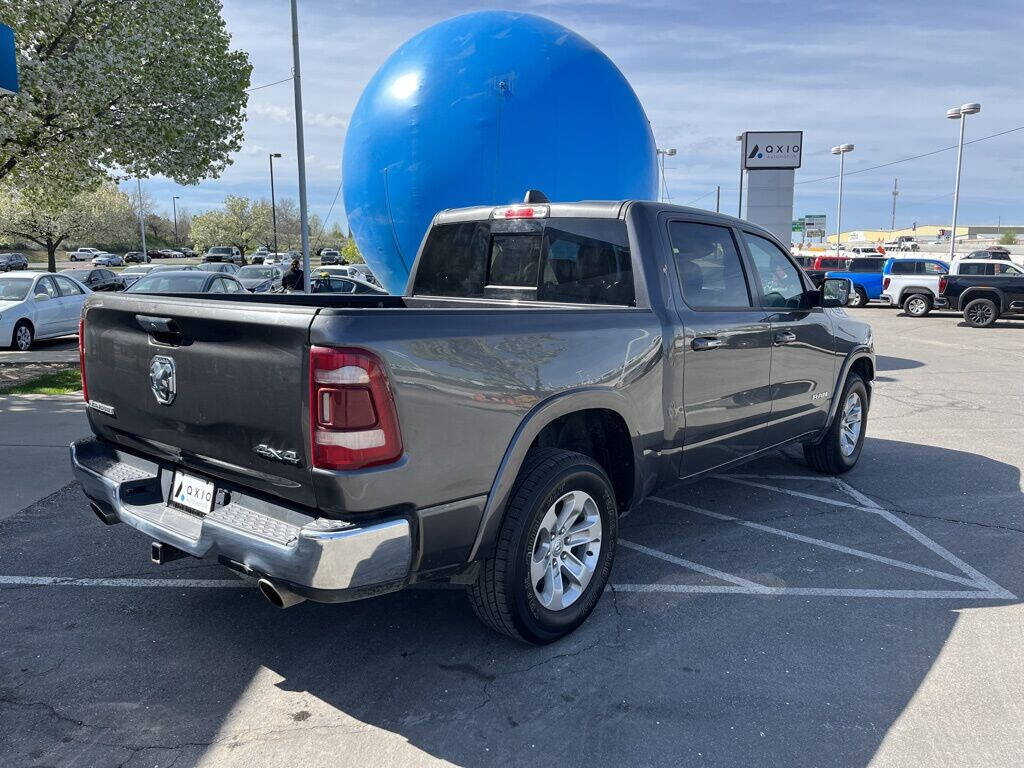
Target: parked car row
(983,289)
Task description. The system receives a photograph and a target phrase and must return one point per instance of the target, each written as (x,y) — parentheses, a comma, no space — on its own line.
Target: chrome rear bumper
(328,560)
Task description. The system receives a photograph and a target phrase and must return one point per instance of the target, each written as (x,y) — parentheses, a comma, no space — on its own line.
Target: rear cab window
(563,260)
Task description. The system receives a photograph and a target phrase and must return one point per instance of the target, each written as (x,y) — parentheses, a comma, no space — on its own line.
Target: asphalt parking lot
(768,617)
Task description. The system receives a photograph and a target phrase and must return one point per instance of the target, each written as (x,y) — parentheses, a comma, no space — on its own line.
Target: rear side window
(976,269)
(906,268)
(866,265)
(580,261)
(708,261)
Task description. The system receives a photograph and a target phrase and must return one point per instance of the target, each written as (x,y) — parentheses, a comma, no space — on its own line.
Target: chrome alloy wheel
(23,338)
(850,422)
(566,550)
(916,306)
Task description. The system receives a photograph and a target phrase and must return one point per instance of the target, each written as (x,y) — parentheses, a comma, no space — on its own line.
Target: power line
(698,199)
(323,225)
(913,157)
(267,85)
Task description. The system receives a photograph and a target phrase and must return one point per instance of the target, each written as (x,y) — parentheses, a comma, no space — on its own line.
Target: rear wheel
(554,551)
(981,313)
(840,449)
(21,339)
(858,298)
(918,305)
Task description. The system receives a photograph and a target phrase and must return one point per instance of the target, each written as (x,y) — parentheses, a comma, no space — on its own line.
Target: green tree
(350,252)
(241,223)
(34,216)
(1009,237)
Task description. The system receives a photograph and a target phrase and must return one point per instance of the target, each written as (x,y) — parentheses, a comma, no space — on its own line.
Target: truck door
(803,366)
(727,348)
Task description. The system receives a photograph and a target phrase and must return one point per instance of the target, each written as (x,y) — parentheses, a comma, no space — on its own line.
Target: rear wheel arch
(992,294)
(908,291)
(557,420)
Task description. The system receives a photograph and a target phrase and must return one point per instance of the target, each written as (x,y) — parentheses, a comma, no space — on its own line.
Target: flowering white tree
(141,86)
(48,220)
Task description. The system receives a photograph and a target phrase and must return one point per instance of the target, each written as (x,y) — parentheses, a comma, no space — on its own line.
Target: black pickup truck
(984,292)
(548,367)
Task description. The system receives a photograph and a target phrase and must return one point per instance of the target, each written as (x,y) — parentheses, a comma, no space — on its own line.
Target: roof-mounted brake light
(521,212)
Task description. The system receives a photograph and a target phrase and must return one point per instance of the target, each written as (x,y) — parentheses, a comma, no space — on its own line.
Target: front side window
(934,268)
(710,270)
(781,285)
(1006,269)
(45,285)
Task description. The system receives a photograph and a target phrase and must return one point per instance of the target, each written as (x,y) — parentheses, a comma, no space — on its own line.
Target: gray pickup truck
(548,367)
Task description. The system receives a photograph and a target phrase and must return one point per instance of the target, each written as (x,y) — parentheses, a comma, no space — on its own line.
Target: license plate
(192,492)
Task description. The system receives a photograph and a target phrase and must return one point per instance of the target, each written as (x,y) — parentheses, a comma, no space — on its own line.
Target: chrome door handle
(706,342)
(783,337)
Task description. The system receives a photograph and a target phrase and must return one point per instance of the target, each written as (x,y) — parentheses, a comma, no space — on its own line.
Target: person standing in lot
(293,279)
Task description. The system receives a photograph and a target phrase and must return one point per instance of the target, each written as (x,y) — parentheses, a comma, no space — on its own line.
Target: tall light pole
(300,146)
(273,204)
(662,154)
(959,113)
(841,150)
(739,207)
(142,220)
(895,194)
(174,206)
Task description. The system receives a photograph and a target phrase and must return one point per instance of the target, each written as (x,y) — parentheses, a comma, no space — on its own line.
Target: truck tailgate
(240,382)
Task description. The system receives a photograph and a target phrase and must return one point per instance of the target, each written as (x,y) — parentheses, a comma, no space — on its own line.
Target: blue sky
(877,74)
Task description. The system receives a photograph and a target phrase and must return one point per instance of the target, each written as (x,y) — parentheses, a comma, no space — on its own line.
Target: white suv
(913,284)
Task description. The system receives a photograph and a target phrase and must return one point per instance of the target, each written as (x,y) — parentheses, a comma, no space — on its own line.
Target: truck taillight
(942,284)
(81,356)
(353,421)
(885,284)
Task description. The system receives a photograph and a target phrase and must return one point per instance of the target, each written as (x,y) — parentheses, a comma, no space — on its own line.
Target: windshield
(221,251)
(170,283)
(78,274)
(255,273)
(136,270)
(14,288)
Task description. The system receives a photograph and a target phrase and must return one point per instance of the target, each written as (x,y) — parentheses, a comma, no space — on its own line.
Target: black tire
(917,304)
(858,298)
(22,330)
(981,313)
(503,597)
(828,456)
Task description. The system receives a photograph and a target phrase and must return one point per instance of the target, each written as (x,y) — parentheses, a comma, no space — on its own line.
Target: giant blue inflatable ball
(475,111)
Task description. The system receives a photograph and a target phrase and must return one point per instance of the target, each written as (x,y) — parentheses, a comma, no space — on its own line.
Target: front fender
(859,352)
(539,417)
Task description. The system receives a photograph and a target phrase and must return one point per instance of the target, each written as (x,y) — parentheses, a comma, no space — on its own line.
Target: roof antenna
(535,196)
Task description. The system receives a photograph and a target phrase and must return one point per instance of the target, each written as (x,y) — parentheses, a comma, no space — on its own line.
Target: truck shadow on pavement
(217,677)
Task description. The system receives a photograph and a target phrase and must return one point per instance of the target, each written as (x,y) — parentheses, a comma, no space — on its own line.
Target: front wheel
(840,449)
(981,313)
(918,305)
(554,551)
(22,338)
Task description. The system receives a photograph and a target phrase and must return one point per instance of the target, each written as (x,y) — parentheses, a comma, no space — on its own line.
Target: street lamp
(959,113)
(662,154)
(273,205)
(174,205)
(739,208)
(841,150)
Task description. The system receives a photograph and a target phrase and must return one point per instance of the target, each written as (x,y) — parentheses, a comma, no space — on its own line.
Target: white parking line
(823,543)
(917,594)
(748,585)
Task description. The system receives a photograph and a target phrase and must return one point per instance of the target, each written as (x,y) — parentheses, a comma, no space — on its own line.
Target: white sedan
(107,260)
(36,305)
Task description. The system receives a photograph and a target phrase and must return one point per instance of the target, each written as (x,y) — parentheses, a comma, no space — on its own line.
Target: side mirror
(42,297)
(836,291)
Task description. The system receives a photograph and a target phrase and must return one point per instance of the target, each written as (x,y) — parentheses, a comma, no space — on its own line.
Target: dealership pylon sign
(8,64)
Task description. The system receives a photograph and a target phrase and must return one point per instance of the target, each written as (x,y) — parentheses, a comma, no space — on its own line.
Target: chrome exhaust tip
(279,596)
